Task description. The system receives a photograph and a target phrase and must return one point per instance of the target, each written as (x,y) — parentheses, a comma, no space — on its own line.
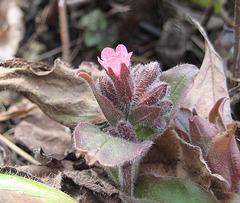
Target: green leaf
(180,78)
(94,21)
(217,4)
(105,149)
(144,132)
(91,38)
(171,190)
(14,185)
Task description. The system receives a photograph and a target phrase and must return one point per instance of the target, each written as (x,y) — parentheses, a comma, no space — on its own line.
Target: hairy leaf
(201,132)
(181,120)
(144,77)
(147,115)
(224,157)
(112,114)
(108,90)
(105,149)
(180,79)
(123,84)
(154,95)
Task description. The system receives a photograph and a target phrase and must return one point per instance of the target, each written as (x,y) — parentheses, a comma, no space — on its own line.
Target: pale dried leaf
(38,131)
(62,96)
(210,83)
(12,30)
(13,114)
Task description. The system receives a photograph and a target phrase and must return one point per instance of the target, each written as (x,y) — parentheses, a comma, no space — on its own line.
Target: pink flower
(113,59)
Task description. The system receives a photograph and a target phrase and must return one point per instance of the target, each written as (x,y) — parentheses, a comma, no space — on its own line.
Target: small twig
(53,52)
(208,14)
(236,56)
(77,48)
(18,150)
(64,30)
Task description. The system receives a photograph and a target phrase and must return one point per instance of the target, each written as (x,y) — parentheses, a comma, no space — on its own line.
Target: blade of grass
(18,150)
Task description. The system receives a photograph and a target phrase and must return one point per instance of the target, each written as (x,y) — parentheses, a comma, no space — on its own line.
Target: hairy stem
(126,179)
(127,176)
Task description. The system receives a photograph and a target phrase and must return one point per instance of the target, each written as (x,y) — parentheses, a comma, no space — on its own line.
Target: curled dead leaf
(62,96)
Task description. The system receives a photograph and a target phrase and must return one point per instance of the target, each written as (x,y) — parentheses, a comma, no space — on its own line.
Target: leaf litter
(67,100)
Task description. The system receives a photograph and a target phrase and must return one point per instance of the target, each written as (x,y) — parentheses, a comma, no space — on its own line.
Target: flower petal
(121,49)
(107,53)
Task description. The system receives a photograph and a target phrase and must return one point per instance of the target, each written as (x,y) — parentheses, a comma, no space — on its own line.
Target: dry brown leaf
(210,83)
(62,96)
(11,28)
(89,187)
(38,131)
(177,158)
(38,171)
(13,114)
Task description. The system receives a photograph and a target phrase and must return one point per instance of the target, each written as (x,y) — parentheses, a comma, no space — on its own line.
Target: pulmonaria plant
(138,102)
(138,94)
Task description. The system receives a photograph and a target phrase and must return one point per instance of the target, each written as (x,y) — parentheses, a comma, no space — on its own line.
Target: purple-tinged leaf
(125,130)
(123,84)
(181,120)
(216,115)
(108,90)
(180,79)
(224,157)
(160,124)
(152,96)
(201,133)
(104,149)
(144,77)
(145,115)
(112,114)
(166,107)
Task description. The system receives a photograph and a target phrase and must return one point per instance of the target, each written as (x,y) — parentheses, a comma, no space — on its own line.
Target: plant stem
(127,176)
(126,179)
(236,56)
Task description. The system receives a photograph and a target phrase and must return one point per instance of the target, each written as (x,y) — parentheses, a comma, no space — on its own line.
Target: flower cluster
(134,95)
